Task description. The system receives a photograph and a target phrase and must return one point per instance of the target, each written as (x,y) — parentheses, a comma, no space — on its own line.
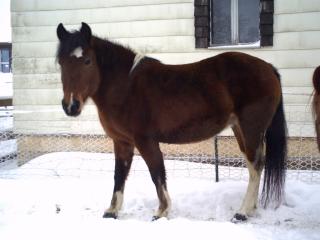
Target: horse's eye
(87,61)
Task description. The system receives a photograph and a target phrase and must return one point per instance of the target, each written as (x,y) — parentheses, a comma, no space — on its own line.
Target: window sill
(239,46)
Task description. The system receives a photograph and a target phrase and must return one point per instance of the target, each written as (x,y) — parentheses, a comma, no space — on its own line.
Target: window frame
(202,18)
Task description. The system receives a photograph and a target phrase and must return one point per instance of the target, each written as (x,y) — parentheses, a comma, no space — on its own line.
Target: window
(233,23)
(5,65)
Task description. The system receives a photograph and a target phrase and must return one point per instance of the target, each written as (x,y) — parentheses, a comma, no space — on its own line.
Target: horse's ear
(86,31)
(62,33)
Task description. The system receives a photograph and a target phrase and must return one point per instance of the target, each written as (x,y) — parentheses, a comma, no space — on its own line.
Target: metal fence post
(216,156)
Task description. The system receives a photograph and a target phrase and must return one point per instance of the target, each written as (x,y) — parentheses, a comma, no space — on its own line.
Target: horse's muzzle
(72,109)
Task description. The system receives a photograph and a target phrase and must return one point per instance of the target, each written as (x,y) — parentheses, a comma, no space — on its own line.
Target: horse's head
(79,69)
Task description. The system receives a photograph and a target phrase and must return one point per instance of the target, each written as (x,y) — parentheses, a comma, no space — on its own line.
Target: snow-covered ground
(8,147)
(63,196)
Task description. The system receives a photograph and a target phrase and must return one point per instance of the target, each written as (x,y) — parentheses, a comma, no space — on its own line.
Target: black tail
(276,156)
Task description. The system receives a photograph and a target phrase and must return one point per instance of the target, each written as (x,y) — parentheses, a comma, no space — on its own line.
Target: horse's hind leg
(123,159)
(251,144)
(151,153)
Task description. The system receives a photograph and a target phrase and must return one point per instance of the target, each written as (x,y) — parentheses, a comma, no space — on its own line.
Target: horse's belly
(192,132)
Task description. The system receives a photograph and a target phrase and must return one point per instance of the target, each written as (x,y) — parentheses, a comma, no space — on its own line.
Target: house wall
(160,28)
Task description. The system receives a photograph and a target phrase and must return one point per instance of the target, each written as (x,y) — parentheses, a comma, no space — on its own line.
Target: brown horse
(316,102)
(142,102)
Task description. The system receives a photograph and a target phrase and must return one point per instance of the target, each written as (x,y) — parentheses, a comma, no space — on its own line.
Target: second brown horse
(316,102)
(142,102)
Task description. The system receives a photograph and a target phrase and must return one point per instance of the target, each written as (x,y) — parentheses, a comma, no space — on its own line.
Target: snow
(8,147)
(6,120)
(63,196)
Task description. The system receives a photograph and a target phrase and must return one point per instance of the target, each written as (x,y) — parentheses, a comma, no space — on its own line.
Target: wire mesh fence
(217,157)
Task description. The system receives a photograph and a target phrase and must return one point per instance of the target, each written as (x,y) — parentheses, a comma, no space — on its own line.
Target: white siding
(148,28)
(104,15)
(161,28)
(46,5)
(296,6)
(297,22)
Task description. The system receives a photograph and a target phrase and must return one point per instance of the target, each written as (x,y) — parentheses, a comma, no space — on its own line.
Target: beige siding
(296,77)
(297,40)
(161,28)
(37,81)
(105,15)
(37,5)
(156,28)
(296,6)
(297,22)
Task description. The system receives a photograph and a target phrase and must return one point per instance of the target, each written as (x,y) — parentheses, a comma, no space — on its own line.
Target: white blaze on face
(71,102)
(77,52)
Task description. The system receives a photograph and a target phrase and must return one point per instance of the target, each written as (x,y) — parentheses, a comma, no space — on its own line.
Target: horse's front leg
(150,151)
(123,159)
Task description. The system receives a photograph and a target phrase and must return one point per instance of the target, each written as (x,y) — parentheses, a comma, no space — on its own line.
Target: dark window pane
(248,21)
(5,55)
(5,68)
(221,22)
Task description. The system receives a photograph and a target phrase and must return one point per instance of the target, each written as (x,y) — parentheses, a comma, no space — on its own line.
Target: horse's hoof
(109,215)
(155,218)
(239,218)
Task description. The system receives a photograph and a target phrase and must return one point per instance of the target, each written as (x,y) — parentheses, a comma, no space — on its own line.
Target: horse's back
(245,78)
(192,102)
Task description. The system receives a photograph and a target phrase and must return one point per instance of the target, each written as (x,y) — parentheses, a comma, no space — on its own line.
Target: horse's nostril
(71,109)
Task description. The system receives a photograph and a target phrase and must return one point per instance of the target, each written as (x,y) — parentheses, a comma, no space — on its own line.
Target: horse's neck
(115,64)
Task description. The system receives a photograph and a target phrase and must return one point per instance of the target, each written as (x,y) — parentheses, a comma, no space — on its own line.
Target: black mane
(109,53)
(112,55)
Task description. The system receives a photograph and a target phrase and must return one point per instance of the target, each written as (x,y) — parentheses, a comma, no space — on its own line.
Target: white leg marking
(116,203)
(250,200)
(77,52)
(164,212)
